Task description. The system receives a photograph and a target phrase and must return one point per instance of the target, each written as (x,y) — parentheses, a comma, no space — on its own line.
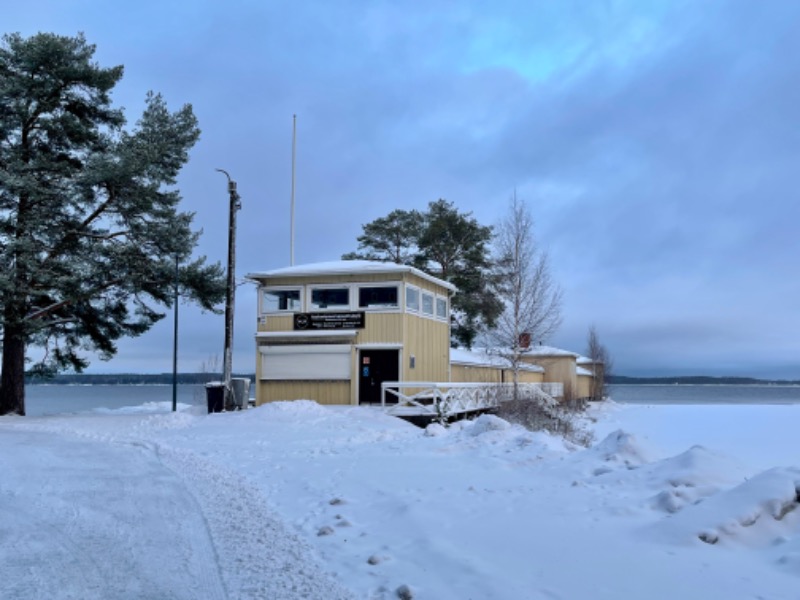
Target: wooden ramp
(421,401)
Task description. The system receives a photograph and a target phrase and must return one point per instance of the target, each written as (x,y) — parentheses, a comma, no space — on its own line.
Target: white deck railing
(443,400)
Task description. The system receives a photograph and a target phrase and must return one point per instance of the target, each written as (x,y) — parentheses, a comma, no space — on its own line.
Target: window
(330,298)
(441,307)
(412,299)
(427,304)
(377,297)
(280,300)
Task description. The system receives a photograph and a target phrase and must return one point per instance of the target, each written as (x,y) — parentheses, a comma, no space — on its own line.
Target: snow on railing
(446,399)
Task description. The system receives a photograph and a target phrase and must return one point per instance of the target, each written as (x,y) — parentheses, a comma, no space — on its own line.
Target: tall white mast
(291,221)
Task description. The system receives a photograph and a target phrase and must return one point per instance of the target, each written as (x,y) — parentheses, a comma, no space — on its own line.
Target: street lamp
(175,338)
(231,287)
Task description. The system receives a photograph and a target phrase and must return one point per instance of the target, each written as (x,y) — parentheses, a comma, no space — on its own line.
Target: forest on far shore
(130,379)
(201,378)
(697,380)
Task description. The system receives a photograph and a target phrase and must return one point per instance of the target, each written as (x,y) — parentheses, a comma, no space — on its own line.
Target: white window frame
(357,297)
(432,298)
(412,288)
(330,286)
(280,288)
(436,302)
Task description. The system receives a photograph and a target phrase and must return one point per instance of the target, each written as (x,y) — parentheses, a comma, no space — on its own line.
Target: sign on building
(337,320)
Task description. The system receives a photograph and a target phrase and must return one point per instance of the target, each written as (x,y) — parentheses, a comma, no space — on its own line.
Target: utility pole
(231,288)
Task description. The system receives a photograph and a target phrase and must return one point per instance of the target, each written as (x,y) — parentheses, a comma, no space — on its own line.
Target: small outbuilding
(467,366)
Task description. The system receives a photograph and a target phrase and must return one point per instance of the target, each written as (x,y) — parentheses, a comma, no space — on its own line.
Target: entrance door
(375,367)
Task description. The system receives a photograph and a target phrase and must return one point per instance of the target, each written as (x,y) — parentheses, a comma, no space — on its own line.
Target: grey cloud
(660,163)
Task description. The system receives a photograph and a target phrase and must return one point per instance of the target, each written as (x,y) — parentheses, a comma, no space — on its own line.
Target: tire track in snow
(259,557)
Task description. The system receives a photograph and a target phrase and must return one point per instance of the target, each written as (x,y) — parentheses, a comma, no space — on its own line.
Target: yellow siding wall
(557,369)
(277,323)
(323,392)
(381,328)
(357,277)
(475,374)
(478,374)
(429,342)
(584,386)
(526,376)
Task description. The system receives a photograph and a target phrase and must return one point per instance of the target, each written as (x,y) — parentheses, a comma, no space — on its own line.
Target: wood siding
(478,374)
(428,341)
(557,369)
(585,385)
(475,374)
(322,392)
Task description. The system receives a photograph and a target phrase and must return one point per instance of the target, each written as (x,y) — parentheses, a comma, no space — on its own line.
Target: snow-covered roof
(584,360)
(347,267)
(548,351)
(582,371)
(461,356)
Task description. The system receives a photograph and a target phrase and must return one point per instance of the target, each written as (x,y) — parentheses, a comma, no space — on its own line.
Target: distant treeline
(130,379)
(698,380)
(201,378)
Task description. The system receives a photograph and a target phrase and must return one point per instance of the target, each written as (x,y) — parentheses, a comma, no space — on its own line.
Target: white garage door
(305,362)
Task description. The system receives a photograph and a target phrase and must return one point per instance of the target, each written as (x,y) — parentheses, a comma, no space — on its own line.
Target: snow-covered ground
(295,500)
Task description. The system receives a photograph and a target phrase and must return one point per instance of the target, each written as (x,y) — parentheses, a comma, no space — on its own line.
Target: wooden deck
(437,401)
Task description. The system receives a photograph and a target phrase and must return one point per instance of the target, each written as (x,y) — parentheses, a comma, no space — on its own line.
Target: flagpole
(291,223)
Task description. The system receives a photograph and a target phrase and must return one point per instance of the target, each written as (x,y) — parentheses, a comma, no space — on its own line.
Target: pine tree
(392,238)
(89,225)
(447,244)
(455,247)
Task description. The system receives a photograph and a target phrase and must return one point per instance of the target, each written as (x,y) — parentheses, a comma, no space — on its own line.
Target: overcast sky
(656,143)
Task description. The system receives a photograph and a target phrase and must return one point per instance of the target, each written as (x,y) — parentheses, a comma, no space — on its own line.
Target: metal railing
(443,400)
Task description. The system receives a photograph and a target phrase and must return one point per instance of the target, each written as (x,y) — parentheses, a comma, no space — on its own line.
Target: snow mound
(687,478)
(752,512)
(145,408)
(485,424)
(435,430)
(288,409)
(622,448)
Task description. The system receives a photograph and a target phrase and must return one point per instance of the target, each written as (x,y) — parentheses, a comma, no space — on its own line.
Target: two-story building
(333,332)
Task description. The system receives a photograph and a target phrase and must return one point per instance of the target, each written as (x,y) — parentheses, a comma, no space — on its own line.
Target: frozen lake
(706,394)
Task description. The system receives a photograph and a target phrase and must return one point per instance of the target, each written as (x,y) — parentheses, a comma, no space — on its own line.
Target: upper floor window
(412,299)
(336,298)
(441,307)
(427,304)
(377,297)
(280,300)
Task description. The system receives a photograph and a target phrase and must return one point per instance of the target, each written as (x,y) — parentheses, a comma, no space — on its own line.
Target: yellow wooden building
(333,332)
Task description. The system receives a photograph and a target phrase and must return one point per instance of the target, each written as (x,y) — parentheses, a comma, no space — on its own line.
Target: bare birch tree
(601,365)
(531,299)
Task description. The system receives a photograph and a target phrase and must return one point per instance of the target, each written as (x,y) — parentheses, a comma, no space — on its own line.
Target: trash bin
(215,396)
(241,392)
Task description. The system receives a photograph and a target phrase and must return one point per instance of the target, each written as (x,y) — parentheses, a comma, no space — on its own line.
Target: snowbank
(297,500)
